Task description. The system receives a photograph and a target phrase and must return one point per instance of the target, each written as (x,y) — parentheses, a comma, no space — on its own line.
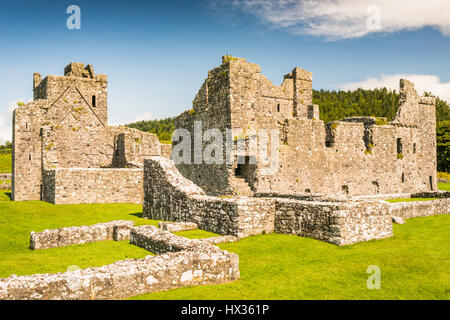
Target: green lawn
(410,199)
(444,186)
(5,162)
(17,219)
(414,263)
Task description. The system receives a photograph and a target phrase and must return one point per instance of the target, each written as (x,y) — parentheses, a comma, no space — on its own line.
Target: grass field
(5,162)
(444,186)
(17,219)
(414,263)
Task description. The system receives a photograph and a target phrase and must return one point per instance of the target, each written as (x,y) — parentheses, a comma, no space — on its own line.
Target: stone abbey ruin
(63,149)
(328,181)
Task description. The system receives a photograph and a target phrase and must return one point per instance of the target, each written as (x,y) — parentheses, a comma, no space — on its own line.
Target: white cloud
(345,19)
(422,83)
(145,116)
(6,122)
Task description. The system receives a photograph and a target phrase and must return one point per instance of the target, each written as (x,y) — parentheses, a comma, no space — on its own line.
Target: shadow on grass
(139,215)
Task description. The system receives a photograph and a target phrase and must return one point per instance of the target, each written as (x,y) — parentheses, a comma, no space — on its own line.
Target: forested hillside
(335,105)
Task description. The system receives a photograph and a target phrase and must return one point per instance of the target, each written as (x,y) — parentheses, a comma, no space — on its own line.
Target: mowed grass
(18,219)
(444,186)
(5,162)
(410,199)
(414,264)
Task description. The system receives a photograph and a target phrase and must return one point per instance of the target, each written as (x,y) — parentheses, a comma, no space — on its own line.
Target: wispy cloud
(144,116)
(345,19)
(422,83)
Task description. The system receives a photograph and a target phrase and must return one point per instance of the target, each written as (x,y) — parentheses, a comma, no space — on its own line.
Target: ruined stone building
(65,152)
(354,156)
(327,181)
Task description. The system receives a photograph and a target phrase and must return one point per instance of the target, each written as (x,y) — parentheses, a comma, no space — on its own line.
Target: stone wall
(177,226)
(436,194)
(355,156)
(195,262)
(89,185)
(78,235)
(5,177)
(170,196)
(412,209)
(341,223)
(65,126)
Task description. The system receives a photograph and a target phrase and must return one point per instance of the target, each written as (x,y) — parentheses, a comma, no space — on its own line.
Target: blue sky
(157,53)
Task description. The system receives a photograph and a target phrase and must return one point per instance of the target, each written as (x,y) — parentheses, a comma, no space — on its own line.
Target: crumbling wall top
(76,69)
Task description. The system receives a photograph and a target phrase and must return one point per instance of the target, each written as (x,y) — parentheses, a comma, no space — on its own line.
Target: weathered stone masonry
(65,127)
(92,185)
(170,196)
(182,262)
(354,156)
(62,237)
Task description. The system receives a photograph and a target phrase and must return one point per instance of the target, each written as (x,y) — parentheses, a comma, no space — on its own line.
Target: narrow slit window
(403,177)
(399,146)
(414,148)
(29,157)
(431,183)
(93,101)
(278,107)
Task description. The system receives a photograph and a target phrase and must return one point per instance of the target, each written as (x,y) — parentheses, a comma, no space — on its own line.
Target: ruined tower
(354,156)
(65,127)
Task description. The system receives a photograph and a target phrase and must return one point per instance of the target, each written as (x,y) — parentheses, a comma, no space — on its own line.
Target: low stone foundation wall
(5,186)
(92,185)
(5,177)
(412,209)
(431,194)
(177,226)
(341,223)
(114,230)
(170,196)
(183,262)
(221,239)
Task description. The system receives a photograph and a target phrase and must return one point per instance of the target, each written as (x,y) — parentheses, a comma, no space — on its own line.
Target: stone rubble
(181,262)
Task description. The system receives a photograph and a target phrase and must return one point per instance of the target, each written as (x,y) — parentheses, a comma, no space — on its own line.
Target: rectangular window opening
(93,101)
(345,189)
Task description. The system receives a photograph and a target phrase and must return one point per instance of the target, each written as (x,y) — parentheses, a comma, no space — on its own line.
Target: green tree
(443,146)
